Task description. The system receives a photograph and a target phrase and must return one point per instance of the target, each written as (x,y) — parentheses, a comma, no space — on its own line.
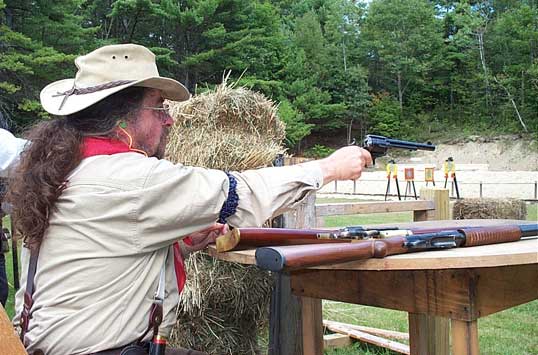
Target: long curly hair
(54,151)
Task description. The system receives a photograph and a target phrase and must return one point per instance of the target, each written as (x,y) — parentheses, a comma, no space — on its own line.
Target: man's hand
(203,238)
(346,163)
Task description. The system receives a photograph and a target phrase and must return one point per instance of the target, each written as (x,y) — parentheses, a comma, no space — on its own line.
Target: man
(10,148)
(94,197)
(4,248)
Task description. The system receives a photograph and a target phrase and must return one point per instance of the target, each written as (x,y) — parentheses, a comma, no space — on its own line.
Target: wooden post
(296,326)
(430,334)
(312,326)
(441,200)
(465,337)
(11,344)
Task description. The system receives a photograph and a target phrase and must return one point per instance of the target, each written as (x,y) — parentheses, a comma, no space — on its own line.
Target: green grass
(10,304)
(510,332)
(358,219)
(373,218)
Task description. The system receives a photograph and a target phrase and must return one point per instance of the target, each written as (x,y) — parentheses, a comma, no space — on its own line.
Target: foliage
(331,64)
(385,115)
(296,128)
(318,151)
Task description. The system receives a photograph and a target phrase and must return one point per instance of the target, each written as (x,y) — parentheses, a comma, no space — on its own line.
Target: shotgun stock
(300,256)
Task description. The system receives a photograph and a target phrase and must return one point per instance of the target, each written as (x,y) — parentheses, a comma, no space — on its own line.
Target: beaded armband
(230,205)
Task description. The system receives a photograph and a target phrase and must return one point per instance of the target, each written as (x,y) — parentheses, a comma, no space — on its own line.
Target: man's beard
(161,148)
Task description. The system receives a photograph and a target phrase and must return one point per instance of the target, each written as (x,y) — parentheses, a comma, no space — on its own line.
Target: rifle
(258,237)
(301,256)
(379,145)
(286,236)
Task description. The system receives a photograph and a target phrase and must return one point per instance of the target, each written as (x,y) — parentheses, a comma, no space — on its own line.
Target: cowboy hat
(105,71)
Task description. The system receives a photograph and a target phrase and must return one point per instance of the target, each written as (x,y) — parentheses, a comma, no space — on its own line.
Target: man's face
(151,129)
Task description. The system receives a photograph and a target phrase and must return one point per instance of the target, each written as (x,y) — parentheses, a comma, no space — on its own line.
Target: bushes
(318,151)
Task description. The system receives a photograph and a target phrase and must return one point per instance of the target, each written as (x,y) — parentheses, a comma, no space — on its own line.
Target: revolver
(378,145)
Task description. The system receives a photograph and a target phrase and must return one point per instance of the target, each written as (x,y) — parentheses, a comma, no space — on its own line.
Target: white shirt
(10,149)
(109,234)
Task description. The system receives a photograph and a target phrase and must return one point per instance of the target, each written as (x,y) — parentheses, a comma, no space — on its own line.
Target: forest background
(412,69)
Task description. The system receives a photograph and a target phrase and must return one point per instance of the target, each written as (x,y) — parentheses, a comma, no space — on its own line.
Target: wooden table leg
(285,318)
(464,337)
(428,335)
(312,326)
(296,323)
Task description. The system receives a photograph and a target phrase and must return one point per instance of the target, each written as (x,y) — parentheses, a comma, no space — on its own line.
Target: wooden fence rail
(422,209)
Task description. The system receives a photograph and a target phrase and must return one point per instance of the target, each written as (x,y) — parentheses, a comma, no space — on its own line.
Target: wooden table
(436,288)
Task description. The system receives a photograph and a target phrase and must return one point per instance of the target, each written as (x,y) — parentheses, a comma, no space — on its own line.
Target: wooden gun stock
(275,236)
(301,256)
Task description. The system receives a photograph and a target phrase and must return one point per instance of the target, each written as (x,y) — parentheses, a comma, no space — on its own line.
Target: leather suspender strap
(29,292)
(156,311)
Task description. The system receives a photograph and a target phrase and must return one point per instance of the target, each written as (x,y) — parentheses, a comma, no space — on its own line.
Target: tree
(400,40)
(32,39)
(513,49)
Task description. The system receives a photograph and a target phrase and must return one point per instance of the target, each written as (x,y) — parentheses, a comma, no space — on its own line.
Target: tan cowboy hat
(104,72)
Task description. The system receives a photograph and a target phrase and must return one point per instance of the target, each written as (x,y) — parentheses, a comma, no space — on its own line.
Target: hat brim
(51,100)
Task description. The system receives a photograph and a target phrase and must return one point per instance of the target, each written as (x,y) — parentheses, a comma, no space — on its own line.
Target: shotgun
(301,256)
(261,237)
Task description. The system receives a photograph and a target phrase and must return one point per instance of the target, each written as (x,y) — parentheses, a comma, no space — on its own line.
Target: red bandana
(102,146)
(92,146)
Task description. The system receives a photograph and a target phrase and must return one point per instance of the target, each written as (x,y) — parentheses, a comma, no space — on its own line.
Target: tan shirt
(101,256)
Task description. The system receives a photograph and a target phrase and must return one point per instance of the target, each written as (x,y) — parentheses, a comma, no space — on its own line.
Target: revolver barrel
(378,145)
(382,141)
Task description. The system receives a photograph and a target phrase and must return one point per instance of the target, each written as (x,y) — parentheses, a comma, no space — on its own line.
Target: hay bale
(489,208)
(228,129)
(224,305)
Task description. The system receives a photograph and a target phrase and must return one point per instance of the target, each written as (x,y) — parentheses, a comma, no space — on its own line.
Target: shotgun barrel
(300,256)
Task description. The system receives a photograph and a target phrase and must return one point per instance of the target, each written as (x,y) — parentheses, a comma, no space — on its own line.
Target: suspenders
(155,316)
(29,292)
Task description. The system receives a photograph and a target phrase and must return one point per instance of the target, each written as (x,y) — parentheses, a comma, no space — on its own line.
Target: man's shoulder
(132,168)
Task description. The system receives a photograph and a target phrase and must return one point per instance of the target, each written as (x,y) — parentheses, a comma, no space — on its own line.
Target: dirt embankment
(504,153)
